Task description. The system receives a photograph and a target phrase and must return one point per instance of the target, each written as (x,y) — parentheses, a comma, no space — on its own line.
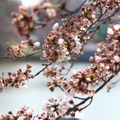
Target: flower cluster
(56,81)
(24,113)
(108,56)
(16,79)
(50,71)
(113,32)
(104,64)
(23,22)
(56,106)
(49,8)
(64,41)
(26,20)
(109,4)
(67,41)
(18,51)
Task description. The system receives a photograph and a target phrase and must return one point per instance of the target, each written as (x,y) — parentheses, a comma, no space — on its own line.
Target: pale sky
(29,3)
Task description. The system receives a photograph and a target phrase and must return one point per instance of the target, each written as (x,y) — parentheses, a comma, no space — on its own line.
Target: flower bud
(116,59)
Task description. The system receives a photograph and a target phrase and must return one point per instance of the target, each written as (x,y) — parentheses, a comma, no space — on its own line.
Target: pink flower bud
(36,44)
(117,59)
(91,59)
(22,9)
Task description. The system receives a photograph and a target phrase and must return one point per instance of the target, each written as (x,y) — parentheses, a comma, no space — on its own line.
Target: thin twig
(113,84)
(42,69)
(91,99)
(79,98)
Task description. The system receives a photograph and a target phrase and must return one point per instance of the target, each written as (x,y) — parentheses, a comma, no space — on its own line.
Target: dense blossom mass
(66,41)
(104,64)
(16,79)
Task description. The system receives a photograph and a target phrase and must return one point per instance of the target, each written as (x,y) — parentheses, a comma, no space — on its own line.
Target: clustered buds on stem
(16,79)
(23,22)
(67,41)
(24,113)
(105,63)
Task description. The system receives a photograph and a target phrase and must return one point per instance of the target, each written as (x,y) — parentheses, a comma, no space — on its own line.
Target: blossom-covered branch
(16,79)
(106,65)
(67,41)
(63,43)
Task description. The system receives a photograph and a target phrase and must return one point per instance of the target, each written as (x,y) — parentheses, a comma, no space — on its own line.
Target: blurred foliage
(101,34)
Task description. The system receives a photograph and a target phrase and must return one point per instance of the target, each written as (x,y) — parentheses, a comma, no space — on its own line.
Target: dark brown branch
(76,106)
(91,99)
(68,69)
(98,89)
(79,98)
(92,24)
(97,21)
(46,65)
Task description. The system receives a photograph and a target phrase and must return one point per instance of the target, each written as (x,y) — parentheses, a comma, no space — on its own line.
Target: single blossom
(55,26)
(110,31)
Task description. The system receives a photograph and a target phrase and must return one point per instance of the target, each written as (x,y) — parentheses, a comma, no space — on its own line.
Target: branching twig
(46,65)
(91,99)
(113,84)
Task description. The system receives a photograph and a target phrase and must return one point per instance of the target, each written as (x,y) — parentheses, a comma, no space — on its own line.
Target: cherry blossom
(16,80)
(65,42)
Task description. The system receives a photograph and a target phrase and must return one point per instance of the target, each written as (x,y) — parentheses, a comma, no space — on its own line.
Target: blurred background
(105,105)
